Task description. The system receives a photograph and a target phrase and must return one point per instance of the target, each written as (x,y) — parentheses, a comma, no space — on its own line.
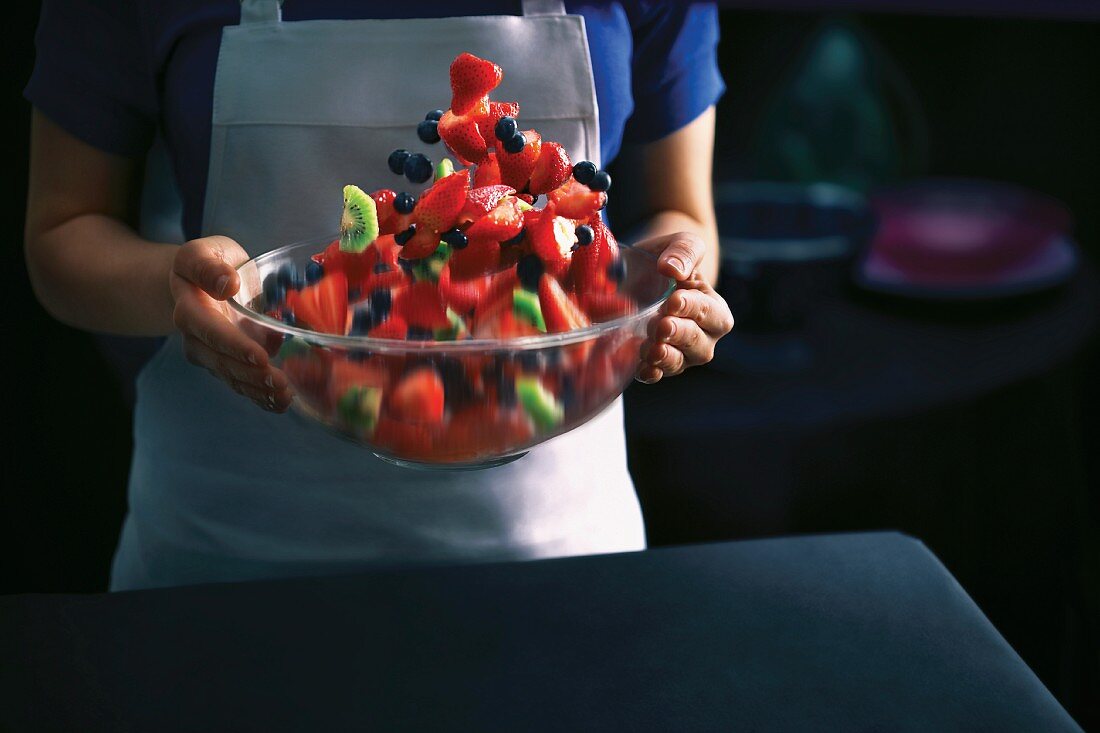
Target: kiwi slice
(539,403)
(359,220)
(452,332)
(359,407)
(444,168)
(525,305)
(429,268)
(293,346)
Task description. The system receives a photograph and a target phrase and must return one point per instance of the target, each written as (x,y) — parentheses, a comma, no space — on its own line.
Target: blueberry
(435,114)
(287,317)
(420,334)
(617,269)
(418,168)
(402,237)
(353,294)
(456,238)
(531,361)
(568,392)
(506,392)
(381,267)
(380,304)
(515,143)
(285,275)
(397,160)
(505,128)
(529,270)
(427,131)
(514,240)
(406,265)
(584,171)
(273,291)
(403,203)
(601,181)
(298,280)
(361,321)
(314,272)
(585,235)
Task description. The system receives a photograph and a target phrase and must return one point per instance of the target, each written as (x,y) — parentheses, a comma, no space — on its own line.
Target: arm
(670,203)
(91,270)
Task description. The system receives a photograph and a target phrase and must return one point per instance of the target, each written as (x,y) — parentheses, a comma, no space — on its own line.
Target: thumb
(211,264)
(678,255)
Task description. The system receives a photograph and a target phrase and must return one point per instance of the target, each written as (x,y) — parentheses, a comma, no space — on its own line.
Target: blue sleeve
(674,66)
(91,74)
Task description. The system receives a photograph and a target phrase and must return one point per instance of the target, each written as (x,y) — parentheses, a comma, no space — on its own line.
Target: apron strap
(261,11)
(543,7)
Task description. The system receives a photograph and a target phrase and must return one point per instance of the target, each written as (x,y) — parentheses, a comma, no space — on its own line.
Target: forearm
(668,222)
(94,272)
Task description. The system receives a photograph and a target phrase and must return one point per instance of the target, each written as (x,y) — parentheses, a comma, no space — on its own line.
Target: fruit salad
(504,245)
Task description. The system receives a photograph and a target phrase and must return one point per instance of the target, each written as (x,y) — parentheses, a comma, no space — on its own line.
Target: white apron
(220,490)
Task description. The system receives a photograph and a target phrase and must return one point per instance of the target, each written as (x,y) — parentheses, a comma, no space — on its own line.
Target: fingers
(198,317)
(211,263)
(266,386)
(703,306)
(678,255)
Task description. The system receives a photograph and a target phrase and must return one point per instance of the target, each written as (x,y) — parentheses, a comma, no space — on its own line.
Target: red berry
(462,136)
(438,207)
(471,79)
(552,239)
(383,200)
(479,257)
(481,200)
(421,306)
(418,397)
(324,306)
(552,169)
(502,223)
(515,168)
(575,200)
(487,172)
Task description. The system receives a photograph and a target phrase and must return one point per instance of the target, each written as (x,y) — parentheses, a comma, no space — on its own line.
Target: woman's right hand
(203,278)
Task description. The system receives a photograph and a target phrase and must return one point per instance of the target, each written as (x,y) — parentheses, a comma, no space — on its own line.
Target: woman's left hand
(693,318)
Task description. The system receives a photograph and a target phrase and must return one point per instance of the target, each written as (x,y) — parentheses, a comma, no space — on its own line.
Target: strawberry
(439,205)
(488,122)
(418,397)
(346,374)
(607,306)
(408,440)
(323,306)
(552,239)
(462,136)
(552,169)
(423,243)
(471,79)
(480,256)
(500,224)
(559,310)
(487,172)
(576,200)
(481,200)
(501,323)
(498,294)
(393,327)
(515,168)
(308,374)
(387,217)
(421,306)
(461,296)
(590,262)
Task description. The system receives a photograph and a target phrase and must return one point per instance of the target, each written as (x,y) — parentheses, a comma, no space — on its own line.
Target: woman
(264,118)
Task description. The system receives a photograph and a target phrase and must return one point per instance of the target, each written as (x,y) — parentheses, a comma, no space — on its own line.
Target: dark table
(863,632)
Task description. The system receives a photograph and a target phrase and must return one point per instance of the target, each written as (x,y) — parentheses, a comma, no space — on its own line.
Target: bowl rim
(380,345)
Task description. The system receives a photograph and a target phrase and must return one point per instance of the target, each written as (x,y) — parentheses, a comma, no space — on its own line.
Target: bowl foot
(473,466)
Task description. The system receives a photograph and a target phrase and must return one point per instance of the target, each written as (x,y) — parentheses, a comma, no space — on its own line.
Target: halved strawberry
(590,262)
(383,201)
(393,327)
(576,200)
(461,296)
(421,306)
(502,223)
(515,168)
(552,169)
(462,136)
(346,374)
(424,242)
(607,306)
(481,200)
(487,172)
(418,397)
(323,306)
(498,295)
(559,310)
(471,79)
(479,257)
(438,207)
(502,323)
(496,110)
(552,239)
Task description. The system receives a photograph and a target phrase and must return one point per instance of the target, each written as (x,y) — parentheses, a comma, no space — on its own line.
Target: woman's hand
(692,319)
(203,278)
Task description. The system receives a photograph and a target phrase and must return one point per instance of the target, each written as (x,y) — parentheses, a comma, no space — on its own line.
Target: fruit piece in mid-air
(383,204)
(552,239)
(358,221)
(322,307)
(560,311)
(551,170)
(421,243)
(576,201)
(359,407)
(418,397)
(471,79)
(539,403)
(584,171)
(427,132)
(589,268)
(525,305)
(418,168)
(479,257)
(462,136)
(491,123)
(438,207)
(481,200)
(503,222)
(444,168)
(487,172)
(460,295)
(515,168)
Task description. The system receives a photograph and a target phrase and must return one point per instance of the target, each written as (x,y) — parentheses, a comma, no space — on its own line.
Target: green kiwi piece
(444,168)
(525,305)
(359,408)
(456,328)
(359,220)
(293,346)
(539,403)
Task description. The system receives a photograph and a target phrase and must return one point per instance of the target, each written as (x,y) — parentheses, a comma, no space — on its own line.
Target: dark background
(1008,99)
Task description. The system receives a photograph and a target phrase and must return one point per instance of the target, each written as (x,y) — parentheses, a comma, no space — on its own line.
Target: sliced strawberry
(418,397)
(438,207)
(346,374)
(391,278)
(502,223)
(407,440)
(576,200)
(552,239)
(461,296)
(487,172)
(481,200)
(423,243)
(559,310)
(308,373)
(462,136)
(498,294)
(421,306)
(488,121)
(387,216)
(393,327)
(479,257)
(501,323)
(324,306)
(552,169)
(590,262)
(515,168)
(607,306)
(471,79)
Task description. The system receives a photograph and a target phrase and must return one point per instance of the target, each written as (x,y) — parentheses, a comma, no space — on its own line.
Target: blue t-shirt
(111,72)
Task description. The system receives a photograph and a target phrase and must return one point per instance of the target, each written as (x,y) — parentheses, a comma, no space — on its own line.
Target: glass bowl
(501,396)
